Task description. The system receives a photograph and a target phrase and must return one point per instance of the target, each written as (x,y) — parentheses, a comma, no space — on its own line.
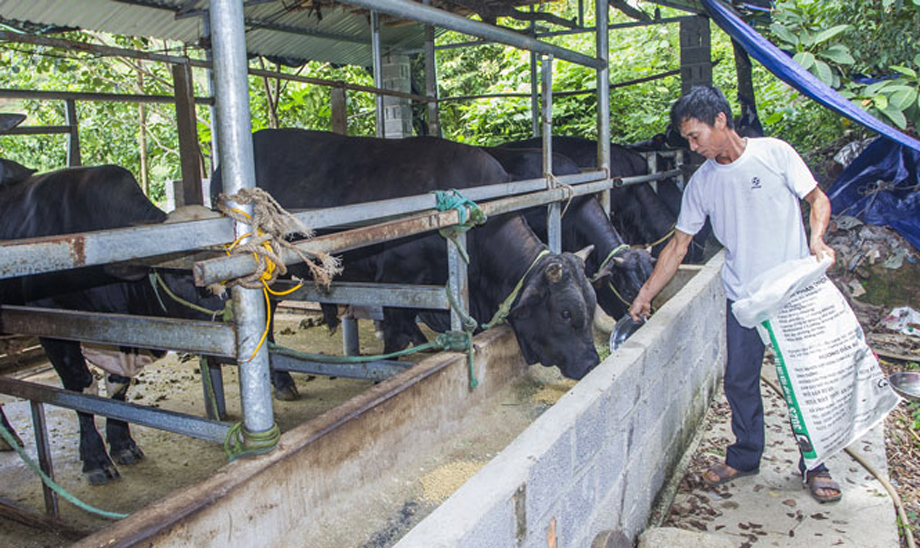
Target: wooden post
(743,71)
(187,124)
(73,139)
(339,102)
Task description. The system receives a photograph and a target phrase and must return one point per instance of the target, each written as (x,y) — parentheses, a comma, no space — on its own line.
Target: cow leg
(400,329)
(282,381)
(4,446)
(68,361)
(122,447)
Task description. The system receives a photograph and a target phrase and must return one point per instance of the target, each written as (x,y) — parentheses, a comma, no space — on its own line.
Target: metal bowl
(906,384)
(625,327)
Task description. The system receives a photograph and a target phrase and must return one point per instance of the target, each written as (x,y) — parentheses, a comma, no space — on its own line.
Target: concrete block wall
(598,458)
(397,112)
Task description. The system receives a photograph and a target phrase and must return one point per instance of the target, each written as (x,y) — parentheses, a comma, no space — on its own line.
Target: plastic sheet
(793,74)
(882,187)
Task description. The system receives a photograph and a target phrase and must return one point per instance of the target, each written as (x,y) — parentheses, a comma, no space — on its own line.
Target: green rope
(226,312)
(54,485)
(505,308)
(243,443)
(470,215)
(616,251)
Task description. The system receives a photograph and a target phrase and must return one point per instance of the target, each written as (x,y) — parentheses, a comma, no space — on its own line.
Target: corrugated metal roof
(307,30)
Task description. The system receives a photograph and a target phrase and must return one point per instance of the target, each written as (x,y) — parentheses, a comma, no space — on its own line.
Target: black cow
(552,314)
(80,200)
(584,224)
(637,212)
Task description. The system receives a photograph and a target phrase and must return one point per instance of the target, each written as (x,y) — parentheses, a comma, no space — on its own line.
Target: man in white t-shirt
(750,189)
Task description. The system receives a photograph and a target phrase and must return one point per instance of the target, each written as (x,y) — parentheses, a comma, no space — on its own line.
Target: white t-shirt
(753,205)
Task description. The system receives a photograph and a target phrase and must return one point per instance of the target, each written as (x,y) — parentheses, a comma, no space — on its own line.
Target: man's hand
(818,220)
(641,308)
(821,250)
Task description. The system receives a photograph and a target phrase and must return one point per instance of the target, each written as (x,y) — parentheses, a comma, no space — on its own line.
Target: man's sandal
(719,474)
(819,481)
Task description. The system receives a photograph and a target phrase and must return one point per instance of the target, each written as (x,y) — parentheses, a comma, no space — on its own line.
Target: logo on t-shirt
(755,182)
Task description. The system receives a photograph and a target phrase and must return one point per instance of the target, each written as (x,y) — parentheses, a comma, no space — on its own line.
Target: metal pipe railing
(238,166)
(227,268)
(424,14)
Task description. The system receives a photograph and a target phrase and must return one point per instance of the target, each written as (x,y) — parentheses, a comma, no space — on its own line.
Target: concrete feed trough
(595,460)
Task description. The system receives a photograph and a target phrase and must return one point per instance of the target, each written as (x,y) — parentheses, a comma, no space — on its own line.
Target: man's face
(708,141)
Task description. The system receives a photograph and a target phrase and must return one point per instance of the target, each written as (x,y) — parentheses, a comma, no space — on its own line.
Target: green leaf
(895,116)
(880,101)
(838,54)
(827,34)
(903,99)
(784,34)
(805,59)
(906,71)
(824,72)
(873,89)
(806,39)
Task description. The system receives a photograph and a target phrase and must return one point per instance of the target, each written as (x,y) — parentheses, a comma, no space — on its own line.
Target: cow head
(625,273)
(552,318)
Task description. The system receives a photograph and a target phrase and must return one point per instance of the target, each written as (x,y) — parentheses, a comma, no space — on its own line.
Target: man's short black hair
(703,103)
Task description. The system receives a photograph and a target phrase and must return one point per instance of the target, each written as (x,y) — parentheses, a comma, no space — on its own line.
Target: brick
(611,461)
(590,428)
(575,508)
(551,472)
(496,528)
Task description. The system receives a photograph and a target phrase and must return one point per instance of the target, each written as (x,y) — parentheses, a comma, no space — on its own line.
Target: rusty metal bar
(227,268)
(43,448)
(211,338)
(161,419)
(9,93)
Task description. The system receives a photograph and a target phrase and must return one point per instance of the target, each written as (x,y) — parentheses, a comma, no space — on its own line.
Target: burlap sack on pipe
(831,379)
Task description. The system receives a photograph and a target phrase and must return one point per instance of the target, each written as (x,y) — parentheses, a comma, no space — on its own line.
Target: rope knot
(469,213)
(270,225)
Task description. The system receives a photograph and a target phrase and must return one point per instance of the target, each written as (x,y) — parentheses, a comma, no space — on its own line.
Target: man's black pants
(742,390)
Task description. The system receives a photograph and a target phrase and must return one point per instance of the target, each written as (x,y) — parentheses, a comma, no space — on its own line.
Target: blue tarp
(882,187)
(777,62)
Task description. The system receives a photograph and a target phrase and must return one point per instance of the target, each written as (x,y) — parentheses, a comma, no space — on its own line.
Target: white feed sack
(830,377)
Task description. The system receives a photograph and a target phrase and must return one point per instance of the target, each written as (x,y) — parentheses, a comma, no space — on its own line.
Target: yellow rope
(663,238)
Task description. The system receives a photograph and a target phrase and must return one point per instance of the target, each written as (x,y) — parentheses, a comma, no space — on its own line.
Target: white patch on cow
(112,360)
(190,213)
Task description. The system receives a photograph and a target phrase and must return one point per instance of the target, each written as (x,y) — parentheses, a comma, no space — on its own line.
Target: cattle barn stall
(193,516)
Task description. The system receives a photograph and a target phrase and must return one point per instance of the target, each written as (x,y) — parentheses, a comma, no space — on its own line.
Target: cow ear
(8,121)
(126,271)
(529,298)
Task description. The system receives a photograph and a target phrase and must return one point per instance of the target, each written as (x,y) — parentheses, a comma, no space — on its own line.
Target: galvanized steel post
(237,163)
(431,81)
(378,72)
(603,97)
(458,281)
(534,96)
(554,210)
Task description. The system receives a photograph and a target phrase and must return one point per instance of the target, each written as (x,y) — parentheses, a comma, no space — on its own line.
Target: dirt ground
(174,383)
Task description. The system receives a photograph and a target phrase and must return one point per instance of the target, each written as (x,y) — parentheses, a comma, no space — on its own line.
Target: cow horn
(554,272)
(584,252)
(619,261)
(9,121)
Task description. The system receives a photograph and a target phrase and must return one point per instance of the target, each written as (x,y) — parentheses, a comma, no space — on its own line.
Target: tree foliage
(837,41)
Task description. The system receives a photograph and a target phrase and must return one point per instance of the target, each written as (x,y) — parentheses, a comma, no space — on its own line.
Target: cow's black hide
(81,200)
(310,169)
(583,224)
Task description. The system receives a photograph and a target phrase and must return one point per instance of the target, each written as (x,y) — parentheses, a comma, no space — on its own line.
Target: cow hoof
(101,476)
(128,455)
(287,393)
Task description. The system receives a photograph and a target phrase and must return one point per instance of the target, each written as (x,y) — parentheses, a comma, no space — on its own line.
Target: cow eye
(566,315)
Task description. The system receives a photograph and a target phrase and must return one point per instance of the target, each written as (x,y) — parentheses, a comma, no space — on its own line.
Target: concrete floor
(773,508)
